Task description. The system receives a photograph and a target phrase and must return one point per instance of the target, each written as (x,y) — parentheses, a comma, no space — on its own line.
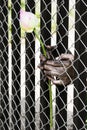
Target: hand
(60,70)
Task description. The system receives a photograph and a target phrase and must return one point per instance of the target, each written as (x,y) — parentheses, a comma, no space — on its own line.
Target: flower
(28,21)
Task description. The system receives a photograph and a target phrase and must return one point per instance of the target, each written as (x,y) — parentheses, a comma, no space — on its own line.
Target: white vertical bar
(37,71)
(10,79)
(53,42)
(71,48)
(23,83)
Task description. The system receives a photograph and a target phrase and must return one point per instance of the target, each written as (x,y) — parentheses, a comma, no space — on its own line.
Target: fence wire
(24,91)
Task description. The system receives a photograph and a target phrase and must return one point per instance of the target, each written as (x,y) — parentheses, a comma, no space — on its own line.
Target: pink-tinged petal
(28,21)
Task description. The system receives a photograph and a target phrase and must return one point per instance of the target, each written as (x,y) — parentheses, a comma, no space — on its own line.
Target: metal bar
(4,88)
(30,74)
(44,91)
(80,101)
(62,45)
(16,108)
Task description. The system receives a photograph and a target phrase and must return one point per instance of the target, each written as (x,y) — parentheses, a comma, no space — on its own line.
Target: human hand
(59,70)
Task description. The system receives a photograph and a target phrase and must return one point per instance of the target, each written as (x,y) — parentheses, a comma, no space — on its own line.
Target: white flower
(28,21)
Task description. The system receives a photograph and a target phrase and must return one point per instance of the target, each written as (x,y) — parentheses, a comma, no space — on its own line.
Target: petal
(28,21)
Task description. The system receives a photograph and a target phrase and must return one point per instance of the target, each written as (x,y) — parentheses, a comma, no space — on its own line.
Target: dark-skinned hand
(59,69)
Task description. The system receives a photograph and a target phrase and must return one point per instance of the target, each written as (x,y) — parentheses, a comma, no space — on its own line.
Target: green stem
(41,43)
(49,82)
(51,106)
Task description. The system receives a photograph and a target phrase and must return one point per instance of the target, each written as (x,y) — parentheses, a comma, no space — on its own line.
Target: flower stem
(49,82)
(51,106)
(41,43)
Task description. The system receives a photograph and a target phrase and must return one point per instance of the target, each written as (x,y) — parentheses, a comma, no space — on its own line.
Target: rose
(29,22)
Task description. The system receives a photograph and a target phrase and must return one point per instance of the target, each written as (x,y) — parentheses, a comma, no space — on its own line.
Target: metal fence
(24,95)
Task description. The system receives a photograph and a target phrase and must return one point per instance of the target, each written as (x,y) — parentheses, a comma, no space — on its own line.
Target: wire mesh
(24,91)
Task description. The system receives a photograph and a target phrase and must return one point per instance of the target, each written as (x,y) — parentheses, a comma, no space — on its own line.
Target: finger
(56,82)
(50,73)
(57,69)
(49,55)
(50,77)
(40,67)
(54,72)
(66,57)
(50,48)
(42,58)
(50,51)
(58,63)
(55,63)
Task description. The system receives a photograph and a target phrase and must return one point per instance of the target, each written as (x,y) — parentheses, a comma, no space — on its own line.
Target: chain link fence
(24,91)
